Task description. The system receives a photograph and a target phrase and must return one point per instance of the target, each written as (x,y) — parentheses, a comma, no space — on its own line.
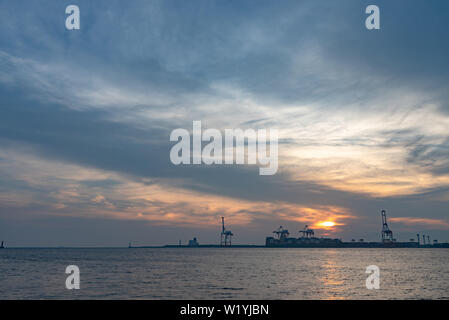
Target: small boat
(2,246)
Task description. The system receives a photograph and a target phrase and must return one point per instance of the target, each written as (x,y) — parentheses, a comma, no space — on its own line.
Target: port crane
(387,234)
(226,235)
(307,232)
(281,233)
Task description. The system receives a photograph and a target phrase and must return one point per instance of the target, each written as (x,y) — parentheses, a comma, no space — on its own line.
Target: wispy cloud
(428,222)
(85,117)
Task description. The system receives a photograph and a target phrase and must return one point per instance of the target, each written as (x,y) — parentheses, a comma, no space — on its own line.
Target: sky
(86,115)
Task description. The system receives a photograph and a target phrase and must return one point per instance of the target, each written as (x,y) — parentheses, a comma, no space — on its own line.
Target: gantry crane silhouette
(226,235)
(387,234)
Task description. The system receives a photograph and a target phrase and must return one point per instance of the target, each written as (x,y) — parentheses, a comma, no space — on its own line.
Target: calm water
(202,273)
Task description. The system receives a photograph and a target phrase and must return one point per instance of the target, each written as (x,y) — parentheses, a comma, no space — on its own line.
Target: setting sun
(326,224)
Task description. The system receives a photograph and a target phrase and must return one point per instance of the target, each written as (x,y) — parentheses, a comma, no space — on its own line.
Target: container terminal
(307,239)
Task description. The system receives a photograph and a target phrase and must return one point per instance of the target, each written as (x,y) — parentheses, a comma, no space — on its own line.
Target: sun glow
(326,224)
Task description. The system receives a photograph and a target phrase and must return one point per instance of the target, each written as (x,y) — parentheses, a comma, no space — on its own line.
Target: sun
(326,224)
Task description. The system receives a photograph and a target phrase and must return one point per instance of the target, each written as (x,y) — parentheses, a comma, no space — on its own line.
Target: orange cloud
(154,200)
(435,223)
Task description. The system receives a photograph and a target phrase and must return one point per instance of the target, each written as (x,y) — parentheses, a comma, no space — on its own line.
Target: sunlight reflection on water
(214,273)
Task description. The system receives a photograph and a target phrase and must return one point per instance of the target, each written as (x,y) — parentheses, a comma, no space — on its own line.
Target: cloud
(362,124)
(433,223)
